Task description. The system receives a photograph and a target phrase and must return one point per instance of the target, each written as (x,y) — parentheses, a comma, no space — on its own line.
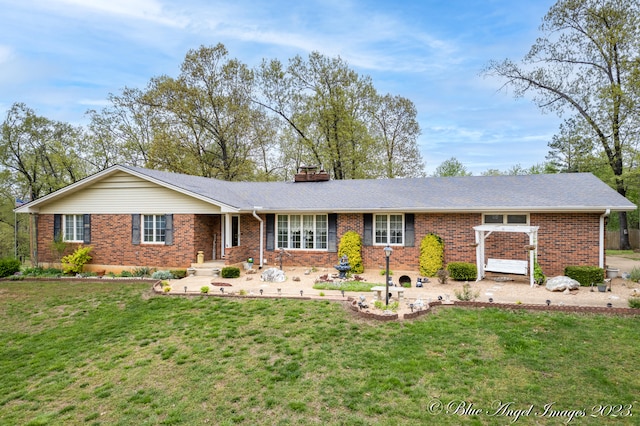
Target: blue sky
(63,57)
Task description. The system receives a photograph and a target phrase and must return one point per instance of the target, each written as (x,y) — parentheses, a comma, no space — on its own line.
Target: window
(306,231)
(389,229)
(506,219)
(73,227)
(154,228)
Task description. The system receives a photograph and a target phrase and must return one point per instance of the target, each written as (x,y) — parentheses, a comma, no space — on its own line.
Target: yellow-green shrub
(351,246)
(74,263)
(431,255)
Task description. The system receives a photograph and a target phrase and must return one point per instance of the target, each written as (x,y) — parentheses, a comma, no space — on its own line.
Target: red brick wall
(116,250)
(563,239)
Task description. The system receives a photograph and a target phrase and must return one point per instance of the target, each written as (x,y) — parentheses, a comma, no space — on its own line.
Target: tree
(40,154)
(451,167)
(571,149)
(336,119)
(586,62)
(396,127)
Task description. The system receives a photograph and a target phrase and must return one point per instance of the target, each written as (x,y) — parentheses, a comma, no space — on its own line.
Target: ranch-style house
(135,217)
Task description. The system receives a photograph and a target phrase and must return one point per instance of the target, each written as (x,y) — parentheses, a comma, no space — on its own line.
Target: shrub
(178,273)
(443,276)
(431,255)
(9,266)
(162,275)
(126,274)
(538,275)
(351,246)
(634,275)
(166,288)
(143,271)
(634,302)
(204,289)
(466,294)
(461,271)
(585,275)
(42,272)
(230,272)
(74,263)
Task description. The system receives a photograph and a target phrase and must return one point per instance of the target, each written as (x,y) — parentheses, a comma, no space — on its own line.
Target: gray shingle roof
(545,192)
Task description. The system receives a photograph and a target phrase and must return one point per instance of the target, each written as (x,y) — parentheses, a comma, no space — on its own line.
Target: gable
(124,193)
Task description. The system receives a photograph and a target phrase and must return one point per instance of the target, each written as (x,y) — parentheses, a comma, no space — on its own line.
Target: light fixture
(387,255)
(261,290)
(342,291)
(300,293)
(222,290)
(548,302)
(185,288)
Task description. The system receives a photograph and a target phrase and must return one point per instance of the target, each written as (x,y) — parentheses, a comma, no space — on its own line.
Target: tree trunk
(624,231)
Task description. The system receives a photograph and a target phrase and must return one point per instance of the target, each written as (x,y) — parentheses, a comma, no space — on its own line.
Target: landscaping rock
(562,283)
(273,275)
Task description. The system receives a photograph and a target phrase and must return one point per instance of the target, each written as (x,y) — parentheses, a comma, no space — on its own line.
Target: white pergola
(483,231)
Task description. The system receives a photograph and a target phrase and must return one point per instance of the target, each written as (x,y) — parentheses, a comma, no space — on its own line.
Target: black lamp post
(387,255)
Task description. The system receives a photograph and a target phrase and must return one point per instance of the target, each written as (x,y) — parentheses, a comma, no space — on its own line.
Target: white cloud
(145,10)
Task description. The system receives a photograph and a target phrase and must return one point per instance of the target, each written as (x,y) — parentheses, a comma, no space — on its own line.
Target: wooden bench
(506,266)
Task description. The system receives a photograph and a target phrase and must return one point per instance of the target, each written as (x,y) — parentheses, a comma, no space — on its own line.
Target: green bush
(74,263)
(9,266)
(230,272)
(585,275)
(126,274)
(634,275)
(634,302)
(204,289)
(538,275)
(351,246)
(162,275)
(41,272)
(142,271)
(461,271)
(178,273)
(466,294)
(431,255)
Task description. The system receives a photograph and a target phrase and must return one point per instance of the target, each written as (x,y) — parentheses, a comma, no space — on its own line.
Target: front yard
(114,353)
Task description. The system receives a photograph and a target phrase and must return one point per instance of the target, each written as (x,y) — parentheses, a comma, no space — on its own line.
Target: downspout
(261,237)
(602,238)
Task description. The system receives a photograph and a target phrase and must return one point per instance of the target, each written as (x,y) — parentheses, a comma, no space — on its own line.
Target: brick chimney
(310,174)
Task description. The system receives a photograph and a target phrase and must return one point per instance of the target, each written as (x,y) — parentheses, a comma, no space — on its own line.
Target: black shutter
(57,227)
(367,239)
(332,236)
(135,229)
(86,232)
(168,230)
(271,232)
(409,230)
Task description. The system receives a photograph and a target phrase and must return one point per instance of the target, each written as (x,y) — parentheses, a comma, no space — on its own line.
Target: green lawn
(114,353)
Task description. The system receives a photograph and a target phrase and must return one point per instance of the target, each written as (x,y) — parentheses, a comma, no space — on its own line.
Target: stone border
(353,305)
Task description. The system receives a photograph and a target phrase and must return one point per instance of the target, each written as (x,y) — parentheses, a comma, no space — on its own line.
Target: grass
(346,286)
(113,353)
(629,254)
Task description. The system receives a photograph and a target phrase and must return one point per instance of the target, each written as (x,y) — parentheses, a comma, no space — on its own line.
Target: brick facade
(563,239)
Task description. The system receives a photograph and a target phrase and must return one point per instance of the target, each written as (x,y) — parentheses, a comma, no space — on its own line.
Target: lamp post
(387,255)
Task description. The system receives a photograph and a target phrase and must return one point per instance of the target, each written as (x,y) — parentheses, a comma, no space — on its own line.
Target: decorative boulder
(562,284)
(273,275)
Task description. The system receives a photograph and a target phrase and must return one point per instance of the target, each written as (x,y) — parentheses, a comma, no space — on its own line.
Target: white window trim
(375,243)
(76,217)
(155,235)
(504,218)
(315,231)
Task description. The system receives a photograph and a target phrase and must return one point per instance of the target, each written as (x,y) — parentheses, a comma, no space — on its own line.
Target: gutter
(261,236)
(601,247)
